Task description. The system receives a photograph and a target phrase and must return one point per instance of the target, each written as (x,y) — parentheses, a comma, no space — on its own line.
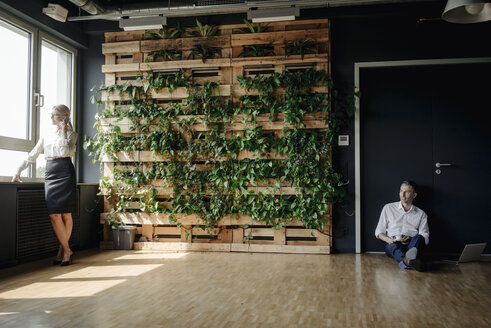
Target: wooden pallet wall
(127,55)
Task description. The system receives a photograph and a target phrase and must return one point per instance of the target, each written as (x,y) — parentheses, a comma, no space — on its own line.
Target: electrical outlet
(343,140)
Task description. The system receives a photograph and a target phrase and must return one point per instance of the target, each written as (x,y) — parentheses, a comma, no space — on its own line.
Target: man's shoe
(402,265)
(418,265)
(412,254)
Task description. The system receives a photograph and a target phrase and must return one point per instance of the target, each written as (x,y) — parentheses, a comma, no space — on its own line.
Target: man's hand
(16,178)
(405,240)
(387,239)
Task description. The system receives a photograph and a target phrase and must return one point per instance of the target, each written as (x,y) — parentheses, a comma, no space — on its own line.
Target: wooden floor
(156,289)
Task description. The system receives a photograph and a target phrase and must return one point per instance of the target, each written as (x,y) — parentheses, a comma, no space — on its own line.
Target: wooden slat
(123,36)
(148,231)
(194,63)
(320,35)
(310,121)
(149,156)
(238,91)
(163,219)
(279,60)
(183,247)
(120,47)
(182,92)
(234,247)
(132,67)
(259,232)
(255,248)
(270,190)
(185,43)
(299,23)
(159,219)
(168,230)
(280,236)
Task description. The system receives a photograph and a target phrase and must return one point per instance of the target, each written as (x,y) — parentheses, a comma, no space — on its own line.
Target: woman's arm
(31,158)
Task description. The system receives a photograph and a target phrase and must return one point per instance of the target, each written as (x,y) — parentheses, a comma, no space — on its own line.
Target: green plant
(159,80)
(113,220)
(165,54)
(258,50)
(218,185)
(297,47)
(206,30)
(252,29)
(180,32)
(155,34)
(203,52)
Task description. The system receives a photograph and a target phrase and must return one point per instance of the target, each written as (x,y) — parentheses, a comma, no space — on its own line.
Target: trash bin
(123,237)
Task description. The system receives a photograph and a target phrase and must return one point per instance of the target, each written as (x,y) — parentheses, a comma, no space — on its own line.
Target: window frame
(37,37)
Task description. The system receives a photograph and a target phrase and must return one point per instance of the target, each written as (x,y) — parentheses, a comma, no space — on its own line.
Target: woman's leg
(67,219)
(61,234)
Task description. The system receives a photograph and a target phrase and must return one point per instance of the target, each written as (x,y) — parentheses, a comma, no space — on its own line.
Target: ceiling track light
(57,12)
(142,23)
(467,11)
(273,15)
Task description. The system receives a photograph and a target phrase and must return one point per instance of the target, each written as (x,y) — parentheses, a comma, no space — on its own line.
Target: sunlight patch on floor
(60,289)
(109,271)
(151,256)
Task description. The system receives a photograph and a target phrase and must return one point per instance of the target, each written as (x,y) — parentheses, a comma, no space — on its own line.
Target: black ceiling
(174,3)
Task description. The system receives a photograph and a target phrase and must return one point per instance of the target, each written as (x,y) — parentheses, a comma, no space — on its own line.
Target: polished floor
(157,289)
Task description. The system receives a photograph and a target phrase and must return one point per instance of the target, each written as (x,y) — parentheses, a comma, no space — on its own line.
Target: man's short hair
(410,183)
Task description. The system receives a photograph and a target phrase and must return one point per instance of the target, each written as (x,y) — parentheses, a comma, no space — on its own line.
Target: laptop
(471,252)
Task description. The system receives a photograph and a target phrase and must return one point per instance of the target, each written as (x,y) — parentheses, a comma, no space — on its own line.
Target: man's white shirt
(394,220)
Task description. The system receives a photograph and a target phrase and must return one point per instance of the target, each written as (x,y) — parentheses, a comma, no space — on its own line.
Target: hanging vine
(203,170)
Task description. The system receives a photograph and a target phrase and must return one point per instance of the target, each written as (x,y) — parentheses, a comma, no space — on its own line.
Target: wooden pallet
(128,55)
(233,234)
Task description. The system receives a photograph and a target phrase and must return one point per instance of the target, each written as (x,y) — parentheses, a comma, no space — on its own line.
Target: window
(16,68)
(38,73)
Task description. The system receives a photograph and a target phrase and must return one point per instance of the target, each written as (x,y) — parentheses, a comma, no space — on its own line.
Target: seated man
(404,227)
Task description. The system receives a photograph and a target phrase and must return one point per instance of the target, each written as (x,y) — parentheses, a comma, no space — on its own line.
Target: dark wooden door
(412,118)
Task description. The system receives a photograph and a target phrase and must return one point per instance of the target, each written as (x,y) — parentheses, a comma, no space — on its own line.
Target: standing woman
(60,182)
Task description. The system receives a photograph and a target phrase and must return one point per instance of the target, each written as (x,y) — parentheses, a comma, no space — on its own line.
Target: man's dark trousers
(398,251)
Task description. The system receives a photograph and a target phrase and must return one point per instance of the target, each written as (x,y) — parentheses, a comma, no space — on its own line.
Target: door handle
(442,165)
(38,100)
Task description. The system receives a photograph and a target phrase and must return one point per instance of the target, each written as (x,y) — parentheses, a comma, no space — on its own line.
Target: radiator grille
(35,236)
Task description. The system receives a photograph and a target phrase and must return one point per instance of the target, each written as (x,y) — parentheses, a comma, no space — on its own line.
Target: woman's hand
(16,178)
(63,126)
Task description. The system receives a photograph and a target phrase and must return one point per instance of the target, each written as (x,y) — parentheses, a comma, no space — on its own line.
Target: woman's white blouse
(54,145)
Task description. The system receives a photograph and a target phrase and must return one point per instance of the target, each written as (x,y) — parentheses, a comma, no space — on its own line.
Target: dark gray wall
(384,33)
(90,75)
(359,34)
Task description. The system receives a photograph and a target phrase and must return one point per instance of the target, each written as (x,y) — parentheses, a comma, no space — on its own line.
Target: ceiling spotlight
(56,12)
(467,11)
(143,23)
(273,15)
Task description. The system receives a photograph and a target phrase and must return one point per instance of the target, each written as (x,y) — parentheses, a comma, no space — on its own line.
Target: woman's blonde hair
(64,112)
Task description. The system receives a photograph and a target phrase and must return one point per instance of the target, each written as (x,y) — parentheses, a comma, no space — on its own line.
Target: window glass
(15,158)
(15,82)
(56,82)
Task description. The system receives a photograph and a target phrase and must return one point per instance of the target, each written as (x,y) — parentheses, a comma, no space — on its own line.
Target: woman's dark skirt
(60,186)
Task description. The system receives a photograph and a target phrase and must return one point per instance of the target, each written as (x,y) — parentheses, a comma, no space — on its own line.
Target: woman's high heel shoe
(65,263)
(59,257)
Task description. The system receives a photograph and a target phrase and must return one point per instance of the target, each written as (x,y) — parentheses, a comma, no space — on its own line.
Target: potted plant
(123,235)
